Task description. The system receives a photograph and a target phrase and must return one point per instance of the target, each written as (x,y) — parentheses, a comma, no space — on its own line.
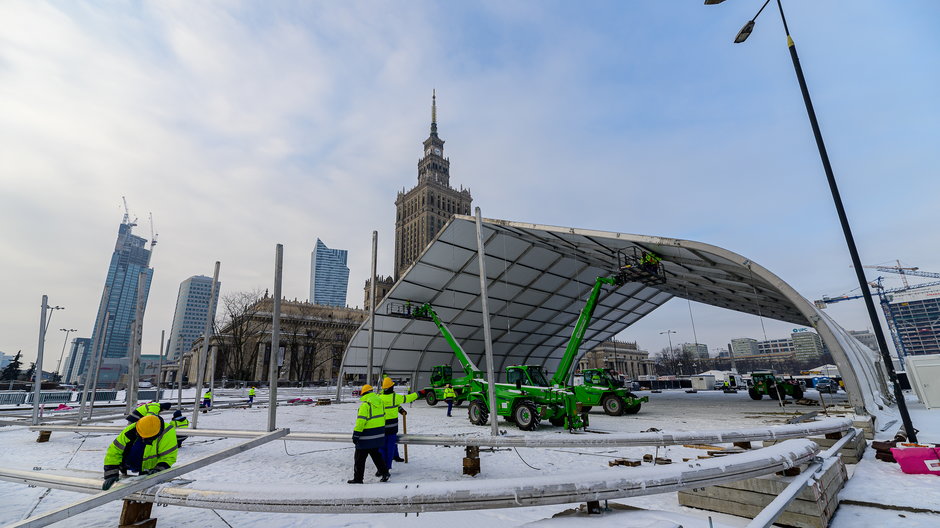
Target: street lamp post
(669,337)
(843,219)
(62,354)
(37,370)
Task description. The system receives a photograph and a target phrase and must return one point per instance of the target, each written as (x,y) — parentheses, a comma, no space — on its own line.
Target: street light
(843,219)
(67,332)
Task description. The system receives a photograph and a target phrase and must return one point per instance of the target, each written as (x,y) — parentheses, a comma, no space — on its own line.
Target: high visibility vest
(449,393)
(182,423)
(144,410)
(162,450)
(369,432)
(251,391)
(207,396)
(392,402)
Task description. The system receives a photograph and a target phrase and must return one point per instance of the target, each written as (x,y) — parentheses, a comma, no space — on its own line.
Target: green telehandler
(767,382)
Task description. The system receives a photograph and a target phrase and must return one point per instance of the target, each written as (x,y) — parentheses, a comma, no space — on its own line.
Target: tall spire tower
(423,211)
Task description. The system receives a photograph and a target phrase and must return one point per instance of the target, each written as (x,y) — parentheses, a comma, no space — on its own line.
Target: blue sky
(240,125)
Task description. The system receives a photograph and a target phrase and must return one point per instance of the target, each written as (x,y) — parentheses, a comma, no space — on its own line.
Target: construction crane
(901,270)
(885,298)
(127,214)
(153,236)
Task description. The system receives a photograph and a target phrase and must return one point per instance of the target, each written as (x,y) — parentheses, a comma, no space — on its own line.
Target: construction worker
(251,396)
(369,435)
(207,400)
(449,396)
(393,403)
(147,408)
(145,447)
(650,262)
(180,422)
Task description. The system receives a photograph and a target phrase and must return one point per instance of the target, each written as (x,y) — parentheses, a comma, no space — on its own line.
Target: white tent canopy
(538,278)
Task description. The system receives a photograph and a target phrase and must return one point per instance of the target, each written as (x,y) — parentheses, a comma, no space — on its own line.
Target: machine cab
(441,375)
(527,375)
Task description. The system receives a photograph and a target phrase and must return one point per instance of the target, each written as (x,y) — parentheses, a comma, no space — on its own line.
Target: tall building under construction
(915,317)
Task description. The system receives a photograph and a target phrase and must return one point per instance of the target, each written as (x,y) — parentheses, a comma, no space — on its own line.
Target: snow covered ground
(307,463)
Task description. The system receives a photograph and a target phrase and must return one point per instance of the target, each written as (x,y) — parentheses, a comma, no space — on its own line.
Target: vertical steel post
(487,336)
(160,367)
(37,371)
(90,363)
(206,337)
(133,371)
(275,337)
(375,245)
(100,360)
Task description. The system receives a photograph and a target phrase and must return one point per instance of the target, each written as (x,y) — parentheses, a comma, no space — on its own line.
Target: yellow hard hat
(366,388)
(148,426)
(387,383)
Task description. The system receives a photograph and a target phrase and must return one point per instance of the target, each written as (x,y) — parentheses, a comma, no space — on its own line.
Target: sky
(241,125)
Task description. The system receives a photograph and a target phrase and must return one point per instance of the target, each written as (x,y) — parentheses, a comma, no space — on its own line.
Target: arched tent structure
(537,280)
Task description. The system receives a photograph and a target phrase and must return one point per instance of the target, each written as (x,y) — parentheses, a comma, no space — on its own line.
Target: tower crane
(901,270)
(153,236)
(127,214)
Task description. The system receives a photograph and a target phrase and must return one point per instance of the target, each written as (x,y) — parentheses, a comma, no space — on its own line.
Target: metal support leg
(471,463)
(136,515)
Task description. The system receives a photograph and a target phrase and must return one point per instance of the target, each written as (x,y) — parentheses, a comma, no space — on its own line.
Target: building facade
(329,275)
(778,347)
(697,350)
(806,345)
(867,337)
(128,271)
(313,338)
(383,285)
(915,317)
(77,360)
(421,212)
(192,311)
(744,346)
(623,357)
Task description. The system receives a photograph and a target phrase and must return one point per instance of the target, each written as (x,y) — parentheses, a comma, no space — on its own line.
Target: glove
(152,471)
(108,482)
(402,411)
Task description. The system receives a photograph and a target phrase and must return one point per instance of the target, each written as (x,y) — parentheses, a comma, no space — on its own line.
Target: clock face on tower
(437,151)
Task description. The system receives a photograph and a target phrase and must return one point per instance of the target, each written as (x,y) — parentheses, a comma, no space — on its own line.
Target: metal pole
(100,359)
(213,351)
(91,361)
(206,336)
(37,371)
(375,245)
(133,372)
(62,354)
(275,337)
(487,336)
(849,238)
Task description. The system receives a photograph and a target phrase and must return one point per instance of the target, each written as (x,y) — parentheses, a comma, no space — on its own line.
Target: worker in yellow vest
(449,396)
(251,396)
(393,403)
(145,446)
(369,435)
(147,408)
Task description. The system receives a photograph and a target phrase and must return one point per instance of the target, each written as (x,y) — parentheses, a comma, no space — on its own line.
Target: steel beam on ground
(120,492)
(661,438)
(612,483)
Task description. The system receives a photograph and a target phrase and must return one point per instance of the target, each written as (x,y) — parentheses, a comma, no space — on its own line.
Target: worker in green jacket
(207,401)
(147,408)
(449,396)
(369,435)
(179,422)
(251,396)
(145,447)
(393,403)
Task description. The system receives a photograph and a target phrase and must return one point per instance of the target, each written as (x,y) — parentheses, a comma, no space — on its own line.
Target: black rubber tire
(586,408)
(478,413)
(754,394)
(797,393)
(632,410)
(557,422)
(458,403)
(613,405)
(431,398)
(526,416)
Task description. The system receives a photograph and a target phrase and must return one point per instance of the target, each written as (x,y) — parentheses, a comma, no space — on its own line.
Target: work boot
(378,473)
(398,459)
(385,477)
(353,481)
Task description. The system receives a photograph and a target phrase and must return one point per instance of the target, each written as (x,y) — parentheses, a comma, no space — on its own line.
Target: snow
(286,465)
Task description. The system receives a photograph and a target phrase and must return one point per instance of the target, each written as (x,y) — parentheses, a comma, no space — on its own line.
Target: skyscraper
(130,259)
(329,275)
(806,345)
(423,211)
(77,361)
(915,316)
(192,309)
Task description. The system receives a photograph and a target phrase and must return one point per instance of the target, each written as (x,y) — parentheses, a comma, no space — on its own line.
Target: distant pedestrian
(251,396)
(449,396)
(207,401)
(369,435)
(393,403)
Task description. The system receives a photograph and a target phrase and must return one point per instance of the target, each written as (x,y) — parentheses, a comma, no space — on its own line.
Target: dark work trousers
(360,466)
(450,405)
(390,450)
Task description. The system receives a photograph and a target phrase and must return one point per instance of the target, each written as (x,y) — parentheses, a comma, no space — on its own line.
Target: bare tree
(242,322)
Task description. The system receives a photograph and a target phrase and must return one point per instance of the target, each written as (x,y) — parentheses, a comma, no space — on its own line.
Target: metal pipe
(206,336)
(369,360)
(133,372)
(487,335)
(100,360)
(101,498)
(275,337)
(160,367)
(90,363)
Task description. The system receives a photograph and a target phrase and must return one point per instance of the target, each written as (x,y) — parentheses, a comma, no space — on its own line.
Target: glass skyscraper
(192,309)
(329,275)
(119,298)
(915,318)
(77,361)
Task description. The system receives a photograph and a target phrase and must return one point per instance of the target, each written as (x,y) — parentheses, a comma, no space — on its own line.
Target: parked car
(827,386)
